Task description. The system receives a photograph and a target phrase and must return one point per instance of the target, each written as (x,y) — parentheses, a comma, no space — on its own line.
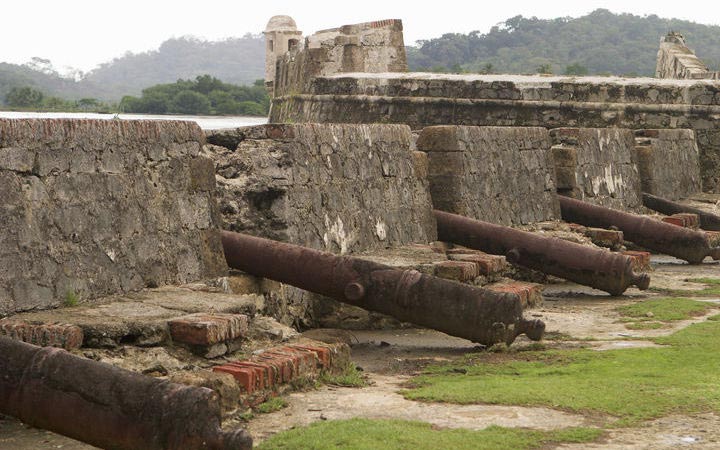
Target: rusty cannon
(692,246)
(708,221)
(106,406)
(600,269)
(480,315)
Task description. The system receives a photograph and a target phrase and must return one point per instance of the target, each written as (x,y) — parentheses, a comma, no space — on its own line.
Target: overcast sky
(85,33)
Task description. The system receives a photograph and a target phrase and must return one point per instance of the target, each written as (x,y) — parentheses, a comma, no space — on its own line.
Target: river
(205,122)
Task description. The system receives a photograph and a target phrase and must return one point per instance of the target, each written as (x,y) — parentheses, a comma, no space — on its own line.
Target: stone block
(208,329)
(221,382)
(713,238)
(456,270)
(66,336)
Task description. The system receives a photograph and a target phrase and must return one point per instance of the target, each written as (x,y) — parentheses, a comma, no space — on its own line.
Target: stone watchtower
(281,36)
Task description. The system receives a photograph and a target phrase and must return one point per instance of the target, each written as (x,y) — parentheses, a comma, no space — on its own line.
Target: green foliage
(349,377)
(601,42)
(204,95)
(272,405)
(366,434)
(71,298)
(576,69)
(633,384)
(24,97)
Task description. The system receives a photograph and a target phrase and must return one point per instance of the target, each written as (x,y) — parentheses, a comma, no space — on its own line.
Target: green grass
(630,384)
(349,377)
(366,434)
(272,405)
(651,314)
(71,298)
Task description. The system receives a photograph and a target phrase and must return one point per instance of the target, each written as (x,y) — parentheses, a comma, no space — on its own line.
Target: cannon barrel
(106,406)
(597,268)
(708,221)
(692,246)
(480,315)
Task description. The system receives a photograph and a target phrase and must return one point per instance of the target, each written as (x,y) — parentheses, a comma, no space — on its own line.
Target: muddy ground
(581,316)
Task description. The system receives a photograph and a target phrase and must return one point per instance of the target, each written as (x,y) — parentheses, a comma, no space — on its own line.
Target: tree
(544,68)
(190,102)
(576,69)
(24,97)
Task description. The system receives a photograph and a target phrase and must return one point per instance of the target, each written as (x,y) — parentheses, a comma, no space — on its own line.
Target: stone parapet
(99,207)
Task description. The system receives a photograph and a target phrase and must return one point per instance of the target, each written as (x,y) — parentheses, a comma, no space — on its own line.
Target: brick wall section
(668,161)
(597,165)
(99,207)
(339,188)
(269,372)
(67,336)
(502,175)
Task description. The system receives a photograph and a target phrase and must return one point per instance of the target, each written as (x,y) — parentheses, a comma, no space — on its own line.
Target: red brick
(685,220)
(245,376)
(208,329)
(713,238)
(673,221)
(66,336)
(486,264)
(283,364)
(262,378)
(456,270)
(529,293)
(641,260)
(322,353)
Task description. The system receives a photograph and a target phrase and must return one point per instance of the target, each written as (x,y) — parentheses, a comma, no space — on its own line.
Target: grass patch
(651,314)
(71,298)
(272,405)
(349,377)
(631,384)
(366,434)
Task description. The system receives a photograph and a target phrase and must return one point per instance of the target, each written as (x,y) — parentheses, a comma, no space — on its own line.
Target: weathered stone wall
(339,188)
(597,165)
(372,47)
(668,163)
(502,175)
(676,60)
(421,99)
(96,207)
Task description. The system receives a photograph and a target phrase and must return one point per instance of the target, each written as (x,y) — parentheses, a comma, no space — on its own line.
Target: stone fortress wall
(332,187)
(99,207)
(422,99)
(676,60)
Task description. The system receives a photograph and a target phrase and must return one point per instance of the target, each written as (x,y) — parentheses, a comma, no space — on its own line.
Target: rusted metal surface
(708,221)
(692,246)
(601,269)
(457,309)
(106,406)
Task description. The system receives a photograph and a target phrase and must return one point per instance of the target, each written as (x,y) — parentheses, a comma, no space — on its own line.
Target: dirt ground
(390,357)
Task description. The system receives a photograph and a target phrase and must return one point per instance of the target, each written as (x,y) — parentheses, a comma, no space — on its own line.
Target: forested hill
(600,42)
(233,60)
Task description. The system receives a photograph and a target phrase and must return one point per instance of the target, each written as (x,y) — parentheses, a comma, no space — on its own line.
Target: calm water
(205,122)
